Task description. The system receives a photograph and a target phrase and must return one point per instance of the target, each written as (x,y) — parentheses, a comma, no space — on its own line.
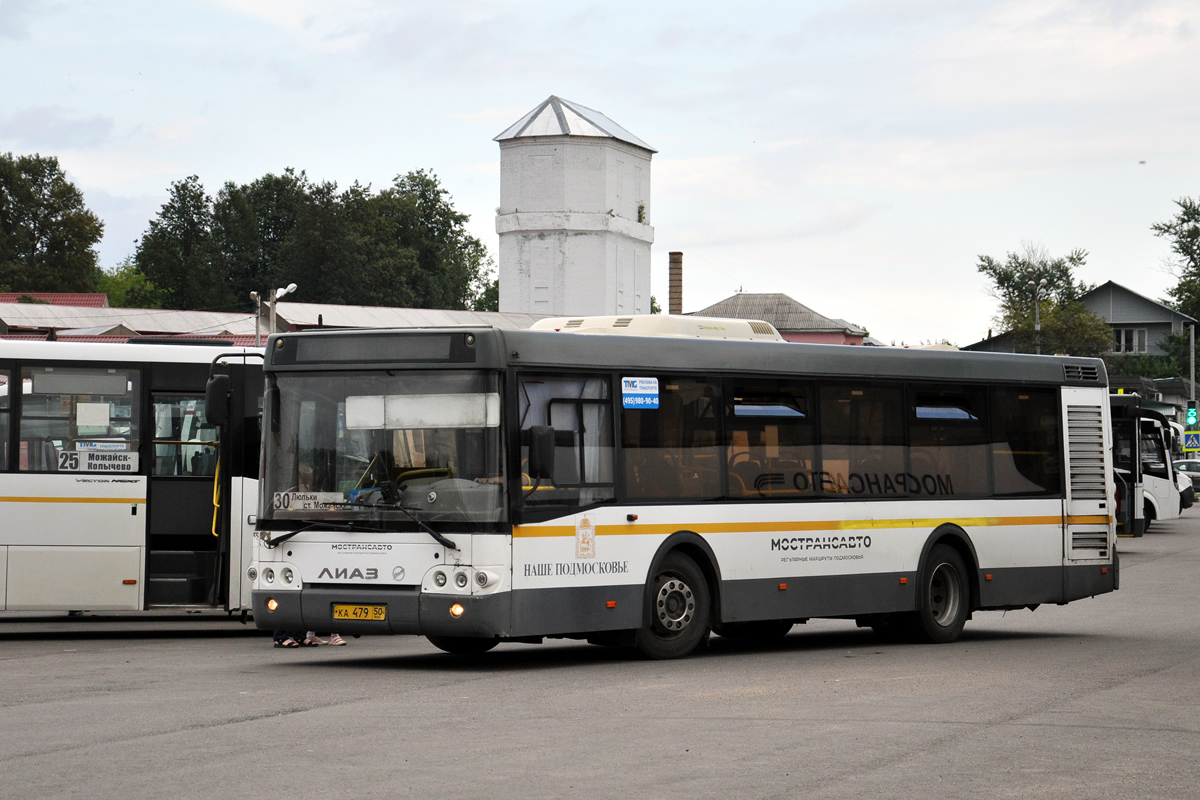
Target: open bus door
(233,405)
(1127,465)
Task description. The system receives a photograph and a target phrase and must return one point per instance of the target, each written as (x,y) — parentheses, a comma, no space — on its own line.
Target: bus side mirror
(541,452)
(216,401)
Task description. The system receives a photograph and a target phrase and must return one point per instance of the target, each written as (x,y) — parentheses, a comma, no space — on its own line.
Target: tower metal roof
(558,117)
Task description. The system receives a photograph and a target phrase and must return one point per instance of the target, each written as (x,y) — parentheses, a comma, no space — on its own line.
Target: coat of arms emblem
(585,538)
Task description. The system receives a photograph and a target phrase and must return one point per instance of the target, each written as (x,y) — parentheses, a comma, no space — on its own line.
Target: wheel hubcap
(675,604)
(945,594)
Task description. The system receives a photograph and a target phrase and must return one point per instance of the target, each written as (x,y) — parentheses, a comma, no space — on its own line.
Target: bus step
(180,564)
(177,591)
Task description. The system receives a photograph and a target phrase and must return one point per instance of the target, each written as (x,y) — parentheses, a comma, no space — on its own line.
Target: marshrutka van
(645,482)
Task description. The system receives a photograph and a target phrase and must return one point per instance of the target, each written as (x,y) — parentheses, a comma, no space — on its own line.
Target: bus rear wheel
(462,645)
(679,612)
(945,597)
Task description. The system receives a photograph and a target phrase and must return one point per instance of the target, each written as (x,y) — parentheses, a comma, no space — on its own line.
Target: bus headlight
(252,574)
(460,580)
(481,578)
(287,574)
(439,578)
(272,604)
(269,575)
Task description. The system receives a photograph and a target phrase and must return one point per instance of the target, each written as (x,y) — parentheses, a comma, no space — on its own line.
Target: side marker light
(903,581)
(457,610)
(1104,570)
(783,587)
(129,582)
(987,576)
(631,517)
(611,604)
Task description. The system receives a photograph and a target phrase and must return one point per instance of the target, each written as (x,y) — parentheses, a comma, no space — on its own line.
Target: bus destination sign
(92,461)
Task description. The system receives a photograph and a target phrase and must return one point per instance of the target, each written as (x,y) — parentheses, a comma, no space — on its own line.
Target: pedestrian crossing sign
(1191,440)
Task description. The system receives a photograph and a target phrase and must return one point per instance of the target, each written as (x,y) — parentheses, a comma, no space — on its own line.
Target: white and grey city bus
(1148,485)
(478,486)
(113,494)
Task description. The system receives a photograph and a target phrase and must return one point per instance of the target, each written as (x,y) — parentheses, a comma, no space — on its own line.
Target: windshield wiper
(274,541)
(442,540)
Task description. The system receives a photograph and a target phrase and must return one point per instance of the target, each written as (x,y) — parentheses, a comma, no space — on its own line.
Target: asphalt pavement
(1098,699)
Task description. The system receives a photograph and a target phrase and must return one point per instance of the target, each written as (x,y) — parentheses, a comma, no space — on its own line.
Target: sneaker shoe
(335,639)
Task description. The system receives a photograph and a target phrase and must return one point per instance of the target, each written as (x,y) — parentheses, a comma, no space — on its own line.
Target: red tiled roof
(236,341)
(84,299)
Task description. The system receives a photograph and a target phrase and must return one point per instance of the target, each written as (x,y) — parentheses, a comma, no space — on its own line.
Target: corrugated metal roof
(335,316)
(86,299)
(786,314)
(143,320)
(558,117)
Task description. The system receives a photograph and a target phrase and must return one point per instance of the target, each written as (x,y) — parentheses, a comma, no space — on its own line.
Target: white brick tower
(574,216)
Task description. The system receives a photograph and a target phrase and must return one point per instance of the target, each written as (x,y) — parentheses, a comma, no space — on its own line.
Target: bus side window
(862,441)
(1025,447)
(1154,459)
(948,441)
(579,408)
(4,419)
(673,451)
(184,444)
(69,411)
(770,446)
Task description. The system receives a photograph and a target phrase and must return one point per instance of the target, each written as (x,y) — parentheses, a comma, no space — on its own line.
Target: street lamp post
(1039,289)
(257,317)
(279,294)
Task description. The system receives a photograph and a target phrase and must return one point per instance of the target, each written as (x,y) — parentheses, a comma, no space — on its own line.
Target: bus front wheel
(462,645)
(945,597)
(679,610)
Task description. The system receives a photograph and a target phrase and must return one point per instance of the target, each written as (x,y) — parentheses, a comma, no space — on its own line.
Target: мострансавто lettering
(872,483)
(821,543)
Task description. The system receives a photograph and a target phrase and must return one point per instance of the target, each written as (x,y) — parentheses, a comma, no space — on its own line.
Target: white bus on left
(112,490)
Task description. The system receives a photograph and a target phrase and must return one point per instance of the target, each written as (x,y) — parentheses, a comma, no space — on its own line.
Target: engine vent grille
(1096,542)
(762,328)
(1085,447)
(622,322)
(1081,373)
(573,323)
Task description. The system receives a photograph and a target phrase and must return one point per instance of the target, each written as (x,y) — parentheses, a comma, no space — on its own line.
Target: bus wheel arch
(953,536)
(947,586)
(682,575)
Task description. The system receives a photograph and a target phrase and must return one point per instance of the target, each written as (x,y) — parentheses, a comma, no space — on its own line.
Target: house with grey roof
(1140,325)
(794,320)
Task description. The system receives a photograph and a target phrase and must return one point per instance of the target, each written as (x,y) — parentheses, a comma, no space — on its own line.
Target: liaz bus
(585,480)
(113,493)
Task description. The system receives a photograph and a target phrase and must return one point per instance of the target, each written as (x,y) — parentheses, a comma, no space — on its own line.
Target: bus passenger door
(182,564)
(1088,532)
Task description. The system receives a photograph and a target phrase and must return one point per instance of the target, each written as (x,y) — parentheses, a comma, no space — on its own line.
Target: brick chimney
(675,295)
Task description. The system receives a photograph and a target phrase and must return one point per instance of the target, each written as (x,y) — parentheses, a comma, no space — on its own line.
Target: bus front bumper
(407,610)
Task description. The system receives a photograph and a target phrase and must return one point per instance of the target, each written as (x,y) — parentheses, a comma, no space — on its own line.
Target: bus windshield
(387,447)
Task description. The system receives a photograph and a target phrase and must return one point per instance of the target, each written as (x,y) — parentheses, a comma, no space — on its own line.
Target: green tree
(47,235)
(127,287)
(1183,232)
(406,246)
(1067,325)
(178,254)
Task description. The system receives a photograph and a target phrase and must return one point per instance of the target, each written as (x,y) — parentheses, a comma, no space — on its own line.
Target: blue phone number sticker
(639,393)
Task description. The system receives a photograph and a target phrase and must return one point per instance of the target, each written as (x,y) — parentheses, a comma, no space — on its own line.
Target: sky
(857,155)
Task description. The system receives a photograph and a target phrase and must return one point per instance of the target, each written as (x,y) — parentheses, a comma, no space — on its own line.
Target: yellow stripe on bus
(72,500)
(635,529)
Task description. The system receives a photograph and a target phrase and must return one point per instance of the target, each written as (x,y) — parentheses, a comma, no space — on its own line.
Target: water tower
(574,216)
